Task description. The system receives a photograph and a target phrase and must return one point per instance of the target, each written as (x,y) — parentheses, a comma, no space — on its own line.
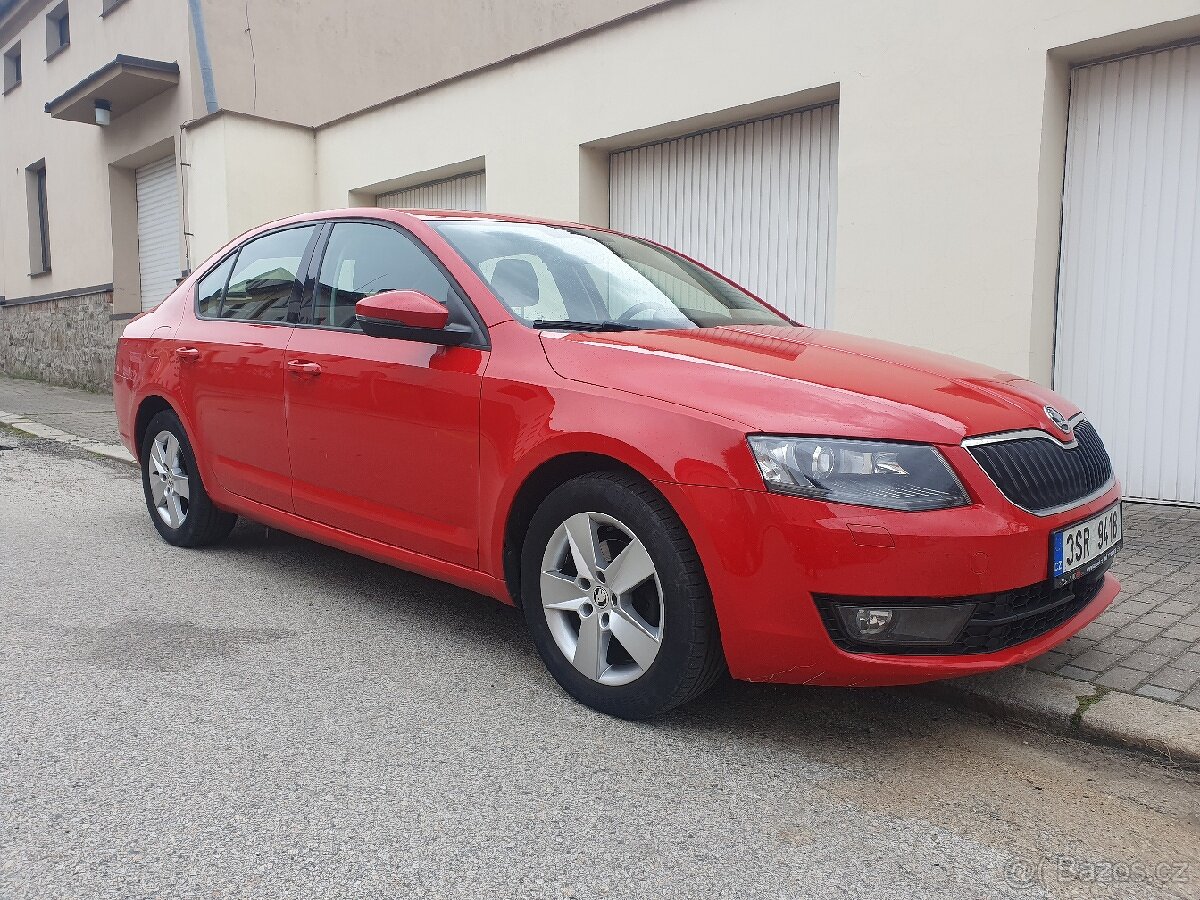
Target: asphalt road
(277,719)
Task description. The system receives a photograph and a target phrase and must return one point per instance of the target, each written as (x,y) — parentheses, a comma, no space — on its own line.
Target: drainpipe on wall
(206,71)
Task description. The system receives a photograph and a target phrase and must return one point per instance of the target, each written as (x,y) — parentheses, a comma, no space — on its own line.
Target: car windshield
(553,276)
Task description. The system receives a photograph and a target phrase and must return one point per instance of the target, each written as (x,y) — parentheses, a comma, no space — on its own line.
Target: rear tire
(625,625)
(179,506)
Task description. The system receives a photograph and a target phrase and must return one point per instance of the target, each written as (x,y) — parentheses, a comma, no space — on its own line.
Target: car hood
(807,381)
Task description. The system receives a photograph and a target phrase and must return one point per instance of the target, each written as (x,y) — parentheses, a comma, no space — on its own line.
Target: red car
(668,475)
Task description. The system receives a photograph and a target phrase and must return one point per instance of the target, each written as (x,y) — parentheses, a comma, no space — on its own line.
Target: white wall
(949,171)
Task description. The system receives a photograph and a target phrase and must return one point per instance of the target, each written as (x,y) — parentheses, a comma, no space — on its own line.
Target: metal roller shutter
(1127,345)
(757,202)
(159,226)
(462,192)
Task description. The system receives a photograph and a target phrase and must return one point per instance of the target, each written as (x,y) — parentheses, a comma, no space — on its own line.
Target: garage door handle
(187,354)
(303,368)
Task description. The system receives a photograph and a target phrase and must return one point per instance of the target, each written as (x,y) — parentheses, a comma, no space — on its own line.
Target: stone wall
(70,341)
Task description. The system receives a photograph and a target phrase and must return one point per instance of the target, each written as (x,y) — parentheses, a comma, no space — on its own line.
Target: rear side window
(212,288)
(263,282)
(363,259)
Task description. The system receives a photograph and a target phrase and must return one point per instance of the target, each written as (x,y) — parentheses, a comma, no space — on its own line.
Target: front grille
(1041,475)
(1000,620)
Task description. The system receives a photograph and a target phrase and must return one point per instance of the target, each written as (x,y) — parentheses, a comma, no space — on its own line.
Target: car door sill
(471,579)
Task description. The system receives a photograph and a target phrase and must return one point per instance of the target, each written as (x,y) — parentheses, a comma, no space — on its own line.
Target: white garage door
(159,226)
(1127,347)
(462,192)
(757,202)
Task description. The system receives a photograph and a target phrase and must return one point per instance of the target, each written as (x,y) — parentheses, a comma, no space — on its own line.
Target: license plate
(1085,546)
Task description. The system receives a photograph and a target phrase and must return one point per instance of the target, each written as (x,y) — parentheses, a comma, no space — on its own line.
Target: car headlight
(906,477)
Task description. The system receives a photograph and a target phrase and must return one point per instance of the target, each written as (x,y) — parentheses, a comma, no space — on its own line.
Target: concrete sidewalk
(69,416)
(1130,678)
(72,411)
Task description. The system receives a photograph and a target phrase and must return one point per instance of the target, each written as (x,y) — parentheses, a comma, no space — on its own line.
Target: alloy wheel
(602,598)
(169,484)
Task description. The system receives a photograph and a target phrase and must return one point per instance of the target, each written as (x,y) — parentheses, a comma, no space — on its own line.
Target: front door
(230,354)
(384,433)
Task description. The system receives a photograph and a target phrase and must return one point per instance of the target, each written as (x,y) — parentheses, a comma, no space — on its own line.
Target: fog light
(931,626)
(872,621)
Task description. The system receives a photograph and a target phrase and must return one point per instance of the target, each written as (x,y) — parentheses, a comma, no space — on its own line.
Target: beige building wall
(952,136)
(294,61)
(79,156)
(952,128)
(310,61)
(229,123)
(241,172)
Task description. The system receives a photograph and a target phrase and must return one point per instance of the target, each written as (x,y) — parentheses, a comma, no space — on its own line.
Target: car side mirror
(408,316)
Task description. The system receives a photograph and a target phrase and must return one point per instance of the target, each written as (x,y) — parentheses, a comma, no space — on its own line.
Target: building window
(108,6)
(39,218)
(12,67)
(58,30)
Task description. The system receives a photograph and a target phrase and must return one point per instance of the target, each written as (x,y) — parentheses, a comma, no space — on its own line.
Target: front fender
(525,426)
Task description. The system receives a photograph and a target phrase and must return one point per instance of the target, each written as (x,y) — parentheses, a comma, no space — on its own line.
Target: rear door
(384,433)
(230,354)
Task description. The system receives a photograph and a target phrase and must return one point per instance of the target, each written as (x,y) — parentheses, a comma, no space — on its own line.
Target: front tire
(179,506)
(616,598)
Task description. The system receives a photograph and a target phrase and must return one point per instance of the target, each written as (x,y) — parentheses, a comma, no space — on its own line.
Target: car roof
(428,215)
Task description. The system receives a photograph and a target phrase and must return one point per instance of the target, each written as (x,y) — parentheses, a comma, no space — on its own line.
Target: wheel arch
(149,407)
(537,486)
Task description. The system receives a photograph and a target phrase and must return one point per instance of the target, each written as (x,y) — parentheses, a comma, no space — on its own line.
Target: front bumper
(996,621)
(767,555)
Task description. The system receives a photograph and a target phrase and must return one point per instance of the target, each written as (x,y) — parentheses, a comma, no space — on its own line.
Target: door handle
(187,354)
(296,367)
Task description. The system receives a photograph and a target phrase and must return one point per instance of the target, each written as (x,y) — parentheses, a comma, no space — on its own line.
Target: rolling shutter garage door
(158,224)
(757,202)
(1127,345)
(463,192)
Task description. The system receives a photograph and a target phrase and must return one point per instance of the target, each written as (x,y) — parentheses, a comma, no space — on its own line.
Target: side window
(211,289)
(363,259)
(263,282)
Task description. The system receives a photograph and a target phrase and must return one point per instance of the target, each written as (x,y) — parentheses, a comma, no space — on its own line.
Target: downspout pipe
(206,70)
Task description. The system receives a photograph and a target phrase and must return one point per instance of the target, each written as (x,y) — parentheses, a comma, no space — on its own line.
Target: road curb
(37,429)
(1081,710)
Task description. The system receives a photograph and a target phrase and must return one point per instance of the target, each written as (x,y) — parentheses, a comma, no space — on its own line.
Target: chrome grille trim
(1026,434)
(1024,477)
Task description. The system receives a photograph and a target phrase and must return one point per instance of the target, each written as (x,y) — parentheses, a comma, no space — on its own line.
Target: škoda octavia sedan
(669,476)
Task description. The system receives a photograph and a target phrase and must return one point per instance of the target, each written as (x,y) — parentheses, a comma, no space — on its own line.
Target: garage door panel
(756,201)
(464,192)
(159,224)
(1128,338)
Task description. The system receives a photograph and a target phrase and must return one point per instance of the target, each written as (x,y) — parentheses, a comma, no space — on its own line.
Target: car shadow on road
(828,721)
(893,749)
(903,725)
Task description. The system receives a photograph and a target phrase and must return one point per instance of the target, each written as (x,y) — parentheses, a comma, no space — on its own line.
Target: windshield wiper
(572,325)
